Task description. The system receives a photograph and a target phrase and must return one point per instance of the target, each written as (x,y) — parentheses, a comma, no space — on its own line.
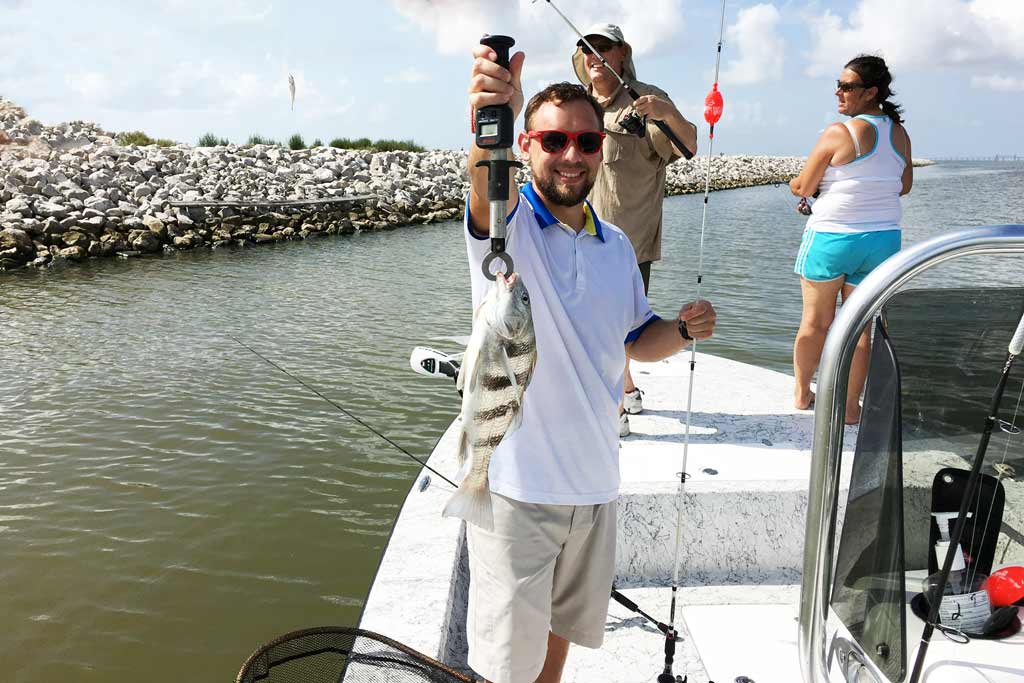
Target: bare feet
(803,400)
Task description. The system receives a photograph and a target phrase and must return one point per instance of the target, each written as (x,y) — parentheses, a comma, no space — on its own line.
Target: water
(168,501)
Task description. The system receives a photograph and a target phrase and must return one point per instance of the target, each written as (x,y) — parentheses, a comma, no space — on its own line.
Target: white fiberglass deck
(742,538)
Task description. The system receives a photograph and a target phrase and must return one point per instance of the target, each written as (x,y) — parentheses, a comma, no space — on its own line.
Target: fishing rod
(713,105)
(635,608)
(939,588)
(662,126)
(315,391)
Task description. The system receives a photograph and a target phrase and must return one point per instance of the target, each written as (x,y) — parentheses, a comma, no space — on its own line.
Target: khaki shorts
(543,568)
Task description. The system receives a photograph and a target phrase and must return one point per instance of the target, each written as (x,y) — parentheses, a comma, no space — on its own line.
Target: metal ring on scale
(495,255)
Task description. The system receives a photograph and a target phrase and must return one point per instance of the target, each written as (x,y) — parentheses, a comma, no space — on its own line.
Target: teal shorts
(826,256)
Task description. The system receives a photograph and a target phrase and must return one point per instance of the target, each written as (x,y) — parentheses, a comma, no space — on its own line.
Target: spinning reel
(634,123)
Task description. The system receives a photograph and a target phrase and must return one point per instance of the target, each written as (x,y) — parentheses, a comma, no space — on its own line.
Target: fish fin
(462,450)
(470,362)
(517,419)
(460,379)
(472,503)
(506,364)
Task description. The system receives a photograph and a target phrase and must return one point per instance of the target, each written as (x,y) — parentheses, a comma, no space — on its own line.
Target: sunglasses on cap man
(602,45)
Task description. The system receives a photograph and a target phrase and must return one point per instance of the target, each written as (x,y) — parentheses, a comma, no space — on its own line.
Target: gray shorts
(543,568)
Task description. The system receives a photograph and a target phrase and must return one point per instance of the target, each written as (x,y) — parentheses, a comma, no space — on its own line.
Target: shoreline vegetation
(73,191)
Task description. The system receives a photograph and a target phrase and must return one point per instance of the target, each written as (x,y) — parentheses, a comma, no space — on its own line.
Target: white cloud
(919,33)
(459,24)
(90,85)
(745,113)
(410,75)
(220,12)
(755,37)
(998,83)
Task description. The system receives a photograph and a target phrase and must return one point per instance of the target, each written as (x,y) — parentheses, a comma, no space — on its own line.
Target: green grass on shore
(382,145)
(211,140)
(295,142)
(257,139)
(137,137)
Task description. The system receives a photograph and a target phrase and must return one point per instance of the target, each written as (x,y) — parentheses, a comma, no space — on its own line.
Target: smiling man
(541,577)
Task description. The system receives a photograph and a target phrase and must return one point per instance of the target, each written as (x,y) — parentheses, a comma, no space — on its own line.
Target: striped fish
(496,370)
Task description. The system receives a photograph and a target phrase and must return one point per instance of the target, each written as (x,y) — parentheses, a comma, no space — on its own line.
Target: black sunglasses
(842,86)
(599,45)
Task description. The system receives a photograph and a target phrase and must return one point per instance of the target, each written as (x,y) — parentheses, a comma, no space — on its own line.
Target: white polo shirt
(588,299)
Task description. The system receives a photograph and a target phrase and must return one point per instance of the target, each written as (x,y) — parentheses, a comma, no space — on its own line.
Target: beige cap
(611,32)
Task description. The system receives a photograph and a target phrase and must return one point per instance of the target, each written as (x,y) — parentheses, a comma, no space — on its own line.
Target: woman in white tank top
(858,170)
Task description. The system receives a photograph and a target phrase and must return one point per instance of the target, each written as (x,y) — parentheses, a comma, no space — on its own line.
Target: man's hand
(655,107)
(659,109)
(700,318)
(490,84)
(661,338)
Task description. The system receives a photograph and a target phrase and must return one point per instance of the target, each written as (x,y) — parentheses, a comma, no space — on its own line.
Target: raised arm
(806,184)
(661,109)
(490,84)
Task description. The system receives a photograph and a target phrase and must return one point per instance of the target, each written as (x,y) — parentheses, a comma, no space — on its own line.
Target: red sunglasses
(554,141)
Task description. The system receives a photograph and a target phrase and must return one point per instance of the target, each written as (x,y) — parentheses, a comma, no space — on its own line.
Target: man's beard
(547,184)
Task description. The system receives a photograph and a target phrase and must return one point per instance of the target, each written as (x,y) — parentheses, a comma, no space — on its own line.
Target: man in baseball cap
(605,35)
(630,184)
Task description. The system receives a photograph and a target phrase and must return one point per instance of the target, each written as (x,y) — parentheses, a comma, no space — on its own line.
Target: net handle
(349,631)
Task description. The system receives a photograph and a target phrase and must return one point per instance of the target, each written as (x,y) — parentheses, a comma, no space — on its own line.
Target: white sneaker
(632,401)
(623,424)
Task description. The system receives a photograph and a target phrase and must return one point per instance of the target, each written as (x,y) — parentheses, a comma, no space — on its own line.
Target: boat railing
(826,450)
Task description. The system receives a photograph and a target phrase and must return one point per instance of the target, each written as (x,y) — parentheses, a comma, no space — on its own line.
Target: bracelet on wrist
(683,332)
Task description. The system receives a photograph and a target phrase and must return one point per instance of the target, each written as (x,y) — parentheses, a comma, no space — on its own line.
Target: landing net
(332,654)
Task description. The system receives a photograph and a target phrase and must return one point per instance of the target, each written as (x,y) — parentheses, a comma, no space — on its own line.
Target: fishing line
(315,391)
(790,208)
(661,125)
(713,105)
(938,590)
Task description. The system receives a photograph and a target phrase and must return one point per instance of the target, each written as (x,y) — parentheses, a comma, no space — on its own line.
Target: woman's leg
(818,312)
(858,368)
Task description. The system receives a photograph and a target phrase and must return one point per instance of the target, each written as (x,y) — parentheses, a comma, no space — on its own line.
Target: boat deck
(743,527)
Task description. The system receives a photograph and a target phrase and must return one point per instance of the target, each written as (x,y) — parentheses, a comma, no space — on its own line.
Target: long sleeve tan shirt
(630,187)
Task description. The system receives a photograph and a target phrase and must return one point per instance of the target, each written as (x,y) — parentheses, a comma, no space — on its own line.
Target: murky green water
(168,501)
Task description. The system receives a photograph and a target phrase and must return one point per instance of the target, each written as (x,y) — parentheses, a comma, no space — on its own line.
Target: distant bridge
(997,157)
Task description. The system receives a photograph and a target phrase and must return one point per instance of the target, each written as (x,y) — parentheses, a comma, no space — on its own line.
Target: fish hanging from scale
(496,369)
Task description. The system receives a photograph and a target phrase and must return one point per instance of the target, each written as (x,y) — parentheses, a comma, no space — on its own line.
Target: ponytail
(874,73)
(892,110)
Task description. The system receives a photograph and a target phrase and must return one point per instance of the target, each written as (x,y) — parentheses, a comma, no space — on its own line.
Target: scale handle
(500,45)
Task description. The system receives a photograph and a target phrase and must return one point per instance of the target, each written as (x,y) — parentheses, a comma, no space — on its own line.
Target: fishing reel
(634,123)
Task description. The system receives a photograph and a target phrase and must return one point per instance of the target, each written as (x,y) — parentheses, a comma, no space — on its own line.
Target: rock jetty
(70,191)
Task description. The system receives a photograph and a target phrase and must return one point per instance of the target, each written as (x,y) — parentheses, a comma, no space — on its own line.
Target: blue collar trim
(544,217)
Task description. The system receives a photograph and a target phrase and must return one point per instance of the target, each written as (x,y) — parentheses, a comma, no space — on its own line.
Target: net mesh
(332,654)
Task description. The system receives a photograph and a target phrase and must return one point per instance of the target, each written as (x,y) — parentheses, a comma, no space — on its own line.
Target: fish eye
(526,298)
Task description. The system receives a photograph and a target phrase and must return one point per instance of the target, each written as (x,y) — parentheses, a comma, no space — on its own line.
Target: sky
(399,68)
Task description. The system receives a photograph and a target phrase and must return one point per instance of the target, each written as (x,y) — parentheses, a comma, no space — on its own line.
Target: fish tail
(472,502)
